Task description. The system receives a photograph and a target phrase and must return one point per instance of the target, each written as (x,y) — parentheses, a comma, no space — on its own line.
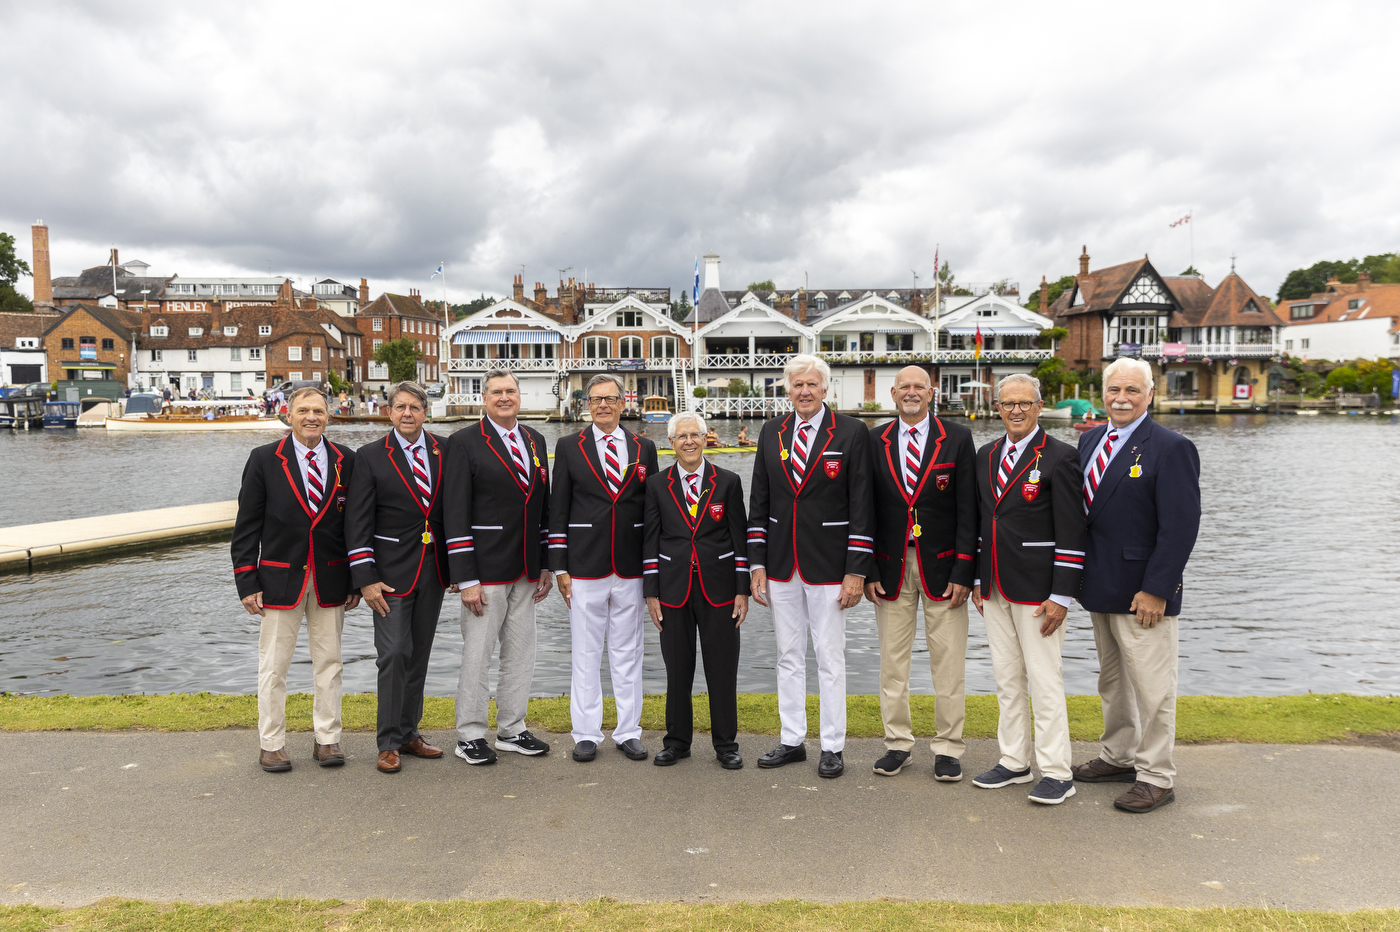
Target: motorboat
(61,413)
(148,412)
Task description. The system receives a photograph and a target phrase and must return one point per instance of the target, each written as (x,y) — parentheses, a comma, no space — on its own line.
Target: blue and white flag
(437,273)
(695,288)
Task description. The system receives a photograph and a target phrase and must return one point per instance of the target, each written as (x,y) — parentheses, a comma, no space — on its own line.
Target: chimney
(1363,280)
(1044,298)
(43,273)
(916,301)
(115,263)
(711,272)
(1084,262)
(416,295)
(364,294)
(518,289)
(541,293)
(802,307)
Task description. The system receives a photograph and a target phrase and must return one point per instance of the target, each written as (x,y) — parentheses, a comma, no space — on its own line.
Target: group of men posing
(905,513)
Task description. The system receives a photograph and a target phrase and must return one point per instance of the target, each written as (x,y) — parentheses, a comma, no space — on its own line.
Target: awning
(506,336)
(898,330)
(971,329)
(88,364)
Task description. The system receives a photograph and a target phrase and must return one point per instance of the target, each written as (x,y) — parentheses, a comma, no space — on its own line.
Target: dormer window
(180,288)
(230,331)
(264,330)
(160,330)
(1353,304)
(226,289)
(1145,291)
(26,342)
(196,331)
(263,289)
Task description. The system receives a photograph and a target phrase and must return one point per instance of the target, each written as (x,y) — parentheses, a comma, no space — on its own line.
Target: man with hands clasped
(1030,561)
(695,576)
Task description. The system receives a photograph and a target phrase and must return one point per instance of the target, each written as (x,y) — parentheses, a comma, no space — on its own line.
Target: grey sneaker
(999,776)
(1051,792)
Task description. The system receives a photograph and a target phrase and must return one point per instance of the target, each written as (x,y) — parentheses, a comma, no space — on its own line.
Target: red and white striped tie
(799,452)
(1091,481)
(519,458)
(911,461)
(1007,464)
(611,467)
(315,485)
(692,491)
(420,475)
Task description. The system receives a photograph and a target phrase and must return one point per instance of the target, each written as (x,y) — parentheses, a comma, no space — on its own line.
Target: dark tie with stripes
(315,485)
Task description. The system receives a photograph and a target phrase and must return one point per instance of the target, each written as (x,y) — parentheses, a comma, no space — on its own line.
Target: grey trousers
(403,639)
(509,619)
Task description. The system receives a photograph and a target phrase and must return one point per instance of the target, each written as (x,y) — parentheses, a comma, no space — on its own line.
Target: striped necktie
(420,475)
(1007,465)
(799,452)
(611,467)
(911,461)
(1091,481)
(315,485)
(692,491)
(523,474)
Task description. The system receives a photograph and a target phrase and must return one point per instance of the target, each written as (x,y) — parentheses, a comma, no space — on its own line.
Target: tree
(1190,270)
(1303,283)
(1053,290)
(1047,337)
(460,311)
(766,285)
(737,388)
(948,284)
(11,268)
(401,356)
(679,309)
(1053,374)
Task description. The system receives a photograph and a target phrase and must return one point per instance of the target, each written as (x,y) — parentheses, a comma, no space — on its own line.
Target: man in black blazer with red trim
(497,503)
(289,561)
(596,508)
(812,543)
(398,558)
(696,580)
(925,546)
(1030,563)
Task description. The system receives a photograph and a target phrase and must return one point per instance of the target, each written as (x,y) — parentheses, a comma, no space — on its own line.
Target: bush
(700,391)
(401,356)
(872,406)
(1311,384)
(1344,378)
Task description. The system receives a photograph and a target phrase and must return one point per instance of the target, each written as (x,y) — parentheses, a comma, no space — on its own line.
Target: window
(376,323)
(157,355)
(259,376)
(1353,304)
(471,351)
(663,347)
(294,354)
(1301,311)
(26,342)
(255,352)
(821,303)
(315,354)
(294,376)
(108,343)
(1305,344)
(180,288)
(1138,330)
(192,355)
(986,311)
(264,330)
(1018,341)
(377,344)
(899,342)
(235,382)
(597,348)
(1254,335)
(235,354)
(67,343)
(196,331)
(230,331)
(226,289)
(630,348)
(1145,291)
(867,342)
(1288,345)
(833,343)
(629,319)
(160,331)
(316,376)
(265,289)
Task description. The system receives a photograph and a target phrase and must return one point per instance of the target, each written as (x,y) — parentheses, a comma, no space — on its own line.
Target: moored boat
(22,411)
(61,413)
(148,412)
(655,410)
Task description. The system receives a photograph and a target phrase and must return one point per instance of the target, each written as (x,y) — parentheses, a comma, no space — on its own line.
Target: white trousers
(1137,680)
(1028,666)
(277,641)
(610,609)
(799,608)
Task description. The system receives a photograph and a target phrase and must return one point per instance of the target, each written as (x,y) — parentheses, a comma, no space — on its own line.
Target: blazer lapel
(890,437)
(588,444)
(1119,467)
(399,461)
(292,470)
(704,504)
(331,482)
(1031,454)
(786,431)
(633,446)
(813,454)
(504,455)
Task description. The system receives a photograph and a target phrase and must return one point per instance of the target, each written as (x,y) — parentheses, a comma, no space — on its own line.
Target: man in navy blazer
(1142,496)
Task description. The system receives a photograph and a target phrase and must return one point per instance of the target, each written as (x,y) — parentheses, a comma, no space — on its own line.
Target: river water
(1292,586)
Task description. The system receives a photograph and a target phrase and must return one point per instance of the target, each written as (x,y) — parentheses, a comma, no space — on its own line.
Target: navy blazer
(1144,519)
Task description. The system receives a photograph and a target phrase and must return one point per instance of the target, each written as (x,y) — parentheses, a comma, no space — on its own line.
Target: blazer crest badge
(717,510)
(1029,490)
(942,482)
(832,468)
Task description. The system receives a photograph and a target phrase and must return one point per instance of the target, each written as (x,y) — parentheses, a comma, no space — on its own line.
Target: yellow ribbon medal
(917,530)
(782,452)
(1136,471)
(427,533)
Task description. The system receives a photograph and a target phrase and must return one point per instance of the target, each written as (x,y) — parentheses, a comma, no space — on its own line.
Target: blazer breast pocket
(1137,553)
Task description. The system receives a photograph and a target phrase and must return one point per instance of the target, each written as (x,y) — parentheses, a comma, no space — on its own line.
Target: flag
(437,273)
(1185,219)
(695,288)
(632,397)
(977,340)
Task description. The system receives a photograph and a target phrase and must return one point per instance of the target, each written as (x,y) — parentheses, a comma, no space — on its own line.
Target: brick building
(22,356)
(393,317)
(88,342)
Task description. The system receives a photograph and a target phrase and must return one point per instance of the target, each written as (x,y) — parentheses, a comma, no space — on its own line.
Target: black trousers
(404,641)
(719,646)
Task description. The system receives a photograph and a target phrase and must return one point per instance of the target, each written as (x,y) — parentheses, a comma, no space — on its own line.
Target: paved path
(27,544)
(189,816)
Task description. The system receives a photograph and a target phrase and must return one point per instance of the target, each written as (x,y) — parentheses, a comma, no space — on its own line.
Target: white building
(511,336)
(1009,333)
(1360,321)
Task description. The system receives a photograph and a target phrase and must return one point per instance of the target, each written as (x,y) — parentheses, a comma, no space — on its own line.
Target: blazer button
(303,566)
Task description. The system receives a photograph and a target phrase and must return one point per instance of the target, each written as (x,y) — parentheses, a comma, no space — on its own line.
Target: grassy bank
(609,916)
(1273,719)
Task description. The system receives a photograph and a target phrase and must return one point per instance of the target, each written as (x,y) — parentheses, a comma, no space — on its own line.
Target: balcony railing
(515,365)
(744,407)
(745,360)
(456,401)
(1198,351)
(869,358)
(650,364)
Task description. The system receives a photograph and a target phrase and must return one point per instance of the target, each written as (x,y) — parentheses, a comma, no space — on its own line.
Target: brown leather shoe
(1144,797)
(388,762)
(275,761)
(420,748)
(1099,770)
(328,755)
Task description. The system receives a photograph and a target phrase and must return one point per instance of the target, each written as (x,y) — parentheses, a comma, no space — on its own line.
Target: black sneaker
(476,752)
(523,743)
(892,763)
(948,769)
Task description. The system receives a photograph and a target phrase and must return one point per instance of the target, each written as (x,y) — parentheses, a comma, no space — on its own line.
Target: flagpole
(937,300)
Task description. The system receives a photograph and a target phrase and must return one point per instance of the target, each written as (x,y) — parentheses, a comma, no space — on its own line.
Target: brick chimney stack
(1084,262)
(364,293)
(802,307)
(541,293)
(1363,280)
(43,272)
(518,289)
(1044,298)
(416,295)
(916,301)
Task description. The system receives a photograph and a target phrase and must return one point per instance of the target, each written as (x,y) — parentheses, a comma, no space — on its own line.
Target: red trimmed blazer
(594,534)
(279,544)
(713,539)
(386,522)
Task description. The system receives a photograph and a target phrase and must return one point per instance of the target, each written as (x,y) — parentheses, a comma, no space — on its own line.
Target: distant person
(744,440)
(1141,486)
(398,558)
(1029,567)
(711,438)
(289,563)
(165,394)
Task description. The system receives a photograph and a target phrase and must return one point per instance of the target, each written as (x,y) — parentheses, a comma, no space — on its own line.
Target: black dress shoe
(832,764)
(585,751)
(783,754)
(668,756)
(633,749)
(730,760)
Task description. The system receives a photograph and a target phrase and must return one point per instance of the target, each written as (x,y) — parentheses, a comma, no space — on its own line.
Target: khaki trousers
(945,633)
(276,644)
(1137,680)
(1028,666)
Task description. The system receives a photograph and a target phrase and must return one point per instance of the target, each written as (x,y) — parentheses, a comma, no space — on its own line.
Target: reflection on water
(1291,586)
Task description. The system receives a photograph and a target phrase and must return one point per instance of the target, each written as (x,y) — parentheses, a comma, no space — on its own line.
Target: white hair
(802,363)
(674,423)
(1136,366)
(1018,378)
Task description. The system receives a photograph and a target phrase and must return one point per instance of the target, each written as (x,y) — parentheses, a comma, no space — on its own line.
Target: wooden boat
(22,411)
(1088,425)
(655,409)
(148,413)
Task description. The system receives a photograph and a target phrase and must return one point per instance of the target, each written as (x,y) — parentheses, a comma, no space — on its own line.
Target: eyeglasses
(609,400)
(691,436)
(1017,405)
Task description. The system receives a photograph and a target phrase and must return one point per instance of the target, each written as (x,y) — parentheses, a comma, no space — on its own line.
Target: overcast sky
(844,141)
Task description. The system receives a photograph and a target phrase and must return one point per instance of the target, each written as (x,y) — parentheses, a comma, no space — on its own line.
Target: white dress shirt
(601,439)
(920,439)
(816,422)
(1123,434)
(322,460)
(421,445)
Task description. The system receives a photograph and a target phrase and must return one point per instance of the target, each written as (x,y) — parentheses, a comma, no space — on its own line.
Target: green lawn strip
(612,916)
(1252,719)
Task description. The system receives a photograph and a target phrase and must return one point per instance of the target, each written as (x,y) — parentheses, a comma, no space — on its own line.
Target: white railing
(745,360)
(744,407)
(515,365)
(947,356)
(1197,351)
(455,401)
(652,364)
